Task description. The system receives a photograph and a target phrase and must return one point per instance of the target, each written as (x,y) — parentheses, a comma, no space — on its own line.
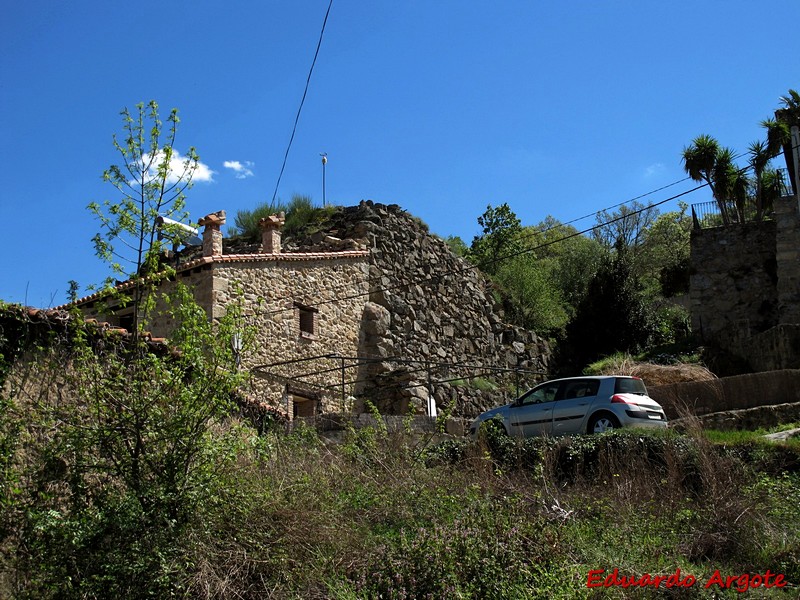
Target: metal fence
(706,215)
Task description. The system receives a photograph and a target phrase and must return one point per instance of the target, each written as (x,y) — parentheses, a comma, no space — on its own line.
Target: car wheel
(602,423)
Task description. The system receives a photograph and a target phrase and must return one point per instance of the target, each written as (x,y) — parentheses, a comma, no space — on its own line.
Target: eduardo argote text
(741,583)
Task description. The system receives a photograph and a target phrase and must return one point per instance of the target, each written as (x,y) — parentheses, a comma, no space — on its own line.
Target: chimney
(271,233)
(212,236)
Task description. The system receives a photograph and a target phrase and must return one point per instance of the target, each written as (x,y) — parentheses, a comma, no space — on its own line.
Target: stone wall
(733,281)
(728,393)
(788,259)
(760,417)
(774,349)
(273,290)
(427,305)
(332,291)
(330,288)
(745,289)
(412,321)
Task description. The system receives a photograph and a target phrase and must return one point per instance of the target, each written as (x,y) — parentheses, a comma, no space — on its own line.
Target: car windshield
(625,385)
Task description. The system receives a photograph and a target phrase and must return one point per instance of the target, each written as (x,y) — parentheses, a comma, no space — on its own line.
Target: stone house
(301,305)
(373,308)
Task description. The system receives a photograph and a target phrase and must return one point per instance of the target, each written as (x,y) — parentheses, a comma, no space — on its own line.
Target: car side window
(543,393)
(581,389)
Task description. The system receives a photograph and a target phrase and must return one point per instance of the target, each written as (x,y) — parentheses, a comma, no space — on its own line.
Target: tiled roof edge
(288,257)
(224,258)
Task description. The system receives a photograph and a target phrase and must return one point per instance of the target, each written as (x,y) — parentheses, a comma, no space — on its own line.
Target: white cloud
(654,169)
(242,171)
(179,168)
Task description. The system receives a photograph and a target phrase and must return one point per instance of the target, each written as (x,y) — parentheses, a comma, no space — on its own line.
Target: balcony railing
(706,215)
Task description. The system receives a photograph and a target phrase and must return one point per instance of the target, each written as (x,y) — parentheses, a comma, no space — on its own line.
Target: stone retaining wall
(733,281)
(429,305)
(728,393)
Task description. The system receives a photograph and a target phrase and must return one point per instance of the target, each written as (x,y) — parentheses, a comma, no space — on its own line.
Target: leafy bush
(117,457)
(291,515)
(301,216)
(246,221)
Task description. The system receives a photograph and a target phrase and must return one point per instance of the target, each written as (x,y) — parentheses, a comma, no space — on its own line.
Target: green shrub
(301,217)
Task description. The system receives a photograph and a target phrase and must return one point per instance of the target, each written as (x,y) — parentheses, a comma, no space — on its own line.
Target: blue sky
(439,106)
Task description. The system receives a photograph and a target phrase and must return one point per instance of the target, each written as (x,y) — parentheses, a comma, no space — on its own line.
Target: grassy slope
(494,520)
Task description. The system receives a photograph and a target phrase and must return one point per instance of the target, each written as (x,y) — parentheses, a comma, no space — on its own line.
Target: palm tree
(779,130)
(704,160)
(773,186)
(759,160)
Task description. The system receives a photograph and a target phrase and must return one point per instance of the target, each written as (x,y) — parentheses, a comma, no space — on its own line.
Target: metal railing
(706,215)
(344,376)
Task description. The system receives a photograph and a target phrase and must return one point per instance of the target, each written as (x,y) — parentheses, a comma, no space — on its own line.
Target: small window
(303,407)
(124,318)
(307,320)
(126,321)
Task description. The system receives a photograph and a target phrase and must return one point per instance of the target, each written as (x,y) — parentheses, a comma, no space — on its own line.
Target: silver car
(578,405)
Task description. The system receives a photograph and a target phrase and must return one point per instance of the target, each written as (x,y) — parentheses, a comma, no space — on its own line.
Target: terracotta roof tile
(226,258)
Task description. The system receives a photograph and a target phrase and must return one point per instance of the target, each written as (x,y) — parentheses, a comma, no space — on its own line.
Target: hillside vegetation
(288,516)
(127,474)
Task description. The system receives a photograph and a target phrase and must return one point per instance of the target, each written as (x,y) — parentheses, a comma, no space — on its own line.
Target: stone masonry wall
(332,288)
(733,281)
(413,319)
(788,259)
(427,305)
(271,290)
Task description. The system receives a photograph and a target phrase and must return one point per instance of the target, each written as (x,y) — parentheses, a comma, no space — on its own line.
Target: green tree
(151,181)
(663,259)
(573,258)
(120,457)
(779,130)
(532,297)
(612,317)
(626,225)
(499,238)
(457,245)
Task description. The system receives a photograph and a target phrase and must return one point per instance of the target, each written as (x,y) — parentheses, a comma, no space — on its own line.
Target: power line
(462,270)
(533,234)
(302,102)
(471,267)
(525,236)
(499,259)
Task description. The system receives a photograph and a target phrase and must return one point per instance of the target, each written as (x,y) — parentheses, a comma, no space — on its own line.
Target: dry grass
(654,374)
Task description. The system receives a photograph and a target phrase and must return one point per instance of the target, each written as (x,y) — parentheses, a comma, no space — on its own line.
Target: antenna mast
(324,156)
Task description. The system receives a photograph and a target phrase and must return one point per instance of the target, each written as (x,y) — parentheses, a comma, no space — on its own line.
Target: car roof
(591,377)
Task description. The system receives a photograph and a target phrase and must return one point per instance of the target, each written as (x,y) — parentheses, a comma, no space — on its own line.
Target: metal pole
(343,396)
(430,389)
(796,159)
(324,156)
